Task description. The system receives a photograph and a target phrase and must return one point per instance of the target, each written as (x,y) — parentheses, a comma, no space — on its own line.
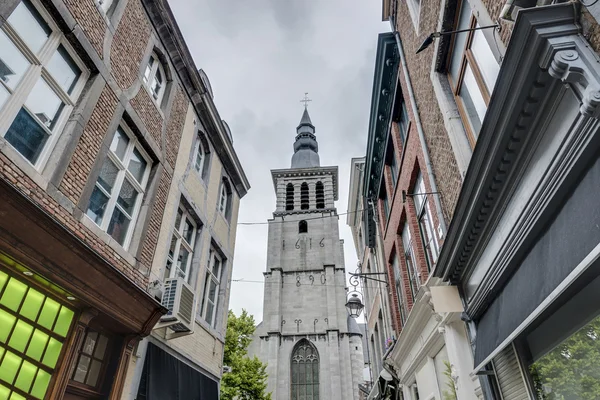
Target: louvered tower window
(305,371)
(289,197)
(320,195)
(304,196)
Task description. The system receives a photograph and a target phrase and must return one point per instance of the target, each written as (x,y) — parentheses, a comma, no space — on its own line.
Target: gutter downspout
(413,103)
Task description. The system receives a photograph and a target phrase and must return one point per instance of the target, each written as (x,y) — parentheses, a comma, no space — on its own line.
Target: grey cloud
(261,56)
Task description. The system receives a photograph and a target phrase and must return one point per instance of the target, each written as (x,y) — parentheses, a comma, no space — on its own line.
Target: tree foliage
(248,377)
(571,371)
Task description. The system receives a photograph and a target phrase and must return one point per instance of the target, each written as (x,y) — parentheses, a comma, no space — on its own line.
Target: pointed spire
(306,148)
(305,118)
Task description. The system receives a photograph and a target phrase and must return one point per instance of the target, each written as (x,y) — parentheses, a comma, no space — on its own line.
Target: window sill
(29,169)
(106,238)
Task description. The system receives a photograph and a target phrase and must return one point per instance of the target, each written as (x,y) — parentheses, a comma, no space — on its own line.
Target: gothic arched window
(305,371)
(320,195)
(304,196)
(289,197)
(302,227)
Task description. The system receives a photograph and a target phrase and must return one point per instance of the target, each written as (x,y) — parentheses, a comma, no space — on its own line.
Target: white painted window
(411,261)
(472,71)
(201,157)
(41,79)
(181,250)
(210,298)
(105,5)
(399,288)
(430,243)
(155,78)
(119,190)
(224,198)
(414,9)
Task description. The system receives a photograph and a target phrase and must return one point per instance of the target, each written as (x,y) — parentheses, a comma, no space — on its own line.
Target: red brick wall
(147,110)
(91,21)
(128,47)
(444,165)
(129,44)
(9,172)
(88,146)
(156,217)
(175,125)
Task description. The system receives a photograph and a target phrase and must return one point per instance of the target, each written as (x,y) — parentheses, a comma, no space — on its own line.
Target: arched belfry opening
(320,195)
(304,204)
(289,197)
(305,371)
(302,227)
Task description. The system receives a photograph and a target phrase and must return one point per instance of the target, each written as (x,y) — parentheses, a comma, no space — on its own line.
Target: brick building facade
(485,109)
(95,98)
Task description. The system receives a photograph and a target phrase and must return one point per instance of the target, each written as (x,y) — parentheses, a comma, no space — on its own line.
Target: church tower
(312,348)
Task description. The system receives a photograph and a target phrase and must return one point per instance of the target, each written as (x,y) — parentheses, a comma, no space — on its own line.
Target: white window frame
(201,156)
(105,5)
(150,77)
(411,261)
(123,174)
(178,234)
(211,277)
(399,287)
(35,71)
(223,198)
(425,219)
(414,9)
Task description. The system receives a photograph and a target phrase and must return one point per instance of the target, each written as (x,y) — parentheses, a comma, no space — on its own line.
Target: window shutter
(508,372)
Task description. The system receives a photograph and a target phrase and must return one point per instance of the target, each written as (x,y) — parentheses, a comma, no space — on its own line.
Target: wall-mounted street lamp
(354,305)
(429,39)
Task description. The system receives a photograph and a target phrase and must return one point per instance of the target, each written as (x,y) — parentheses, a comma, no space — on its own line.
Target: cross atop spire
(305,100)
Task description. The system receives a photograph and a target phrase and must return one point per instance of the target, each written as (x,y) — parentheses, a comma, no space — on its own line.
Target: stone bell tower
(312,348)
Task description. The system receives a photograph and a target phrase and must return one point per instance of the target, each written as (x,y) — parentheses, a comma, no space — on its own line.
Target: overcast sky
(261,56)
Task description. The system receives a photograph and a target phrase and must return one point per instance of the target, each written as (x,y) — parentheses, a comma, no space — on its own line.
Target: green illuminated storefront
(33,329)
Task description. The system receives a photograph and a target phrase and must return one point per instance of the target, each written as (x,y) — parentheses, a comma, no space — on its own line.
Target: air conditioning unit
(178,296)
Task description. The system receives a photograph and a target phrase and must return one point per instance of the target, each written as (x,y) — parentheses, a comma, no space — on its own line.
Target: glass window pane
(148,69)
(475,106)
(217,268)
(44,104)
(137,165)
(26,136)
(29,25)
(101,347)
(157,83)
(460,40)
(119,224)
(3,94)
(182,261)
(209,312)
(92,378)
(212,292)
(90,342)
(119,143)
(82,368)
(172,248)
(188,231)
(97,206)
(12,62)
(127,197)
(108,175)
(485,59)
(63,69)
(571,369)
(178,219)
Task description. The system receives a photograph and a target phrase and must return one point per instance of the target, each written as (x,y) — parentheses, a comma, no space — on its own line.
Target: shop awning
(167,378)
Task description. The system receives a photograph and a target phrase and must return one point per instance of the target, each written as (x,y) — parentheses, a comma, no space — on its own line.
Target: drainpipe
(413,103)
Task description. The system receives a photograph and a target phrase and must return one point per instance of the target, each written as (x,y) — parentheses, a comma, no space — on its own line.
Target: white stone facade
(305,291)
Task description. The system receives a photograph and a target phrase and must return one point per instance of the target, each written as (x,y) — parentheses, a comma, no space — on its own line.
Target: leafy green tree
(449,394)
(571,371)
(248,377)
